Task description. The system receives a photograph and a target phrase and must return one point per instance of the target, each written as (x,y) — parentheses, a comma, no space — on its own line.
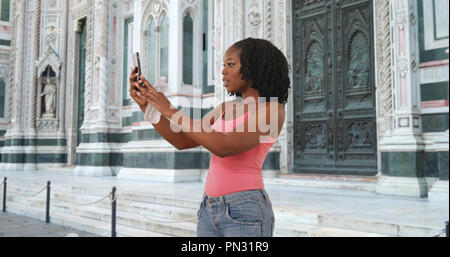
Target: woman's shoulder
(272,105)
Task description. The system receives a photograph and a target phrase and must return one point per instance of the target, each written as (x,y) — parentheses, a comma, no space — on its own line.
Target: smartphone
(137,63)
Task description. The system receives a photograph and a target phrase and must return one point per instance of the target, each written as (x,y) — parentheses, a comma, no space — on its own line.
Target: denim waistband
(257,194)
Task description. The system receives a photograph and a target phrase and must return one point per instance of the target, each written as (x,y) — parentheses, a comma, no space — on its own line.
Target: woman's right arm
(178,139)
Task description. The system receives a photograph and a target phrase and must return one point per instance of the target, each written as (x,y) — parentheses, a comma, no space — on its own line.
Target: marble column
(100,45)
(93,158)
(401,145)
(12,161)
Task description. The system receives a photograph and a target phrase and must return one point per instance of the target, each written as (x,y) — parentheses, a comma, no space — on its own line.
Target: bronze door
(334,87)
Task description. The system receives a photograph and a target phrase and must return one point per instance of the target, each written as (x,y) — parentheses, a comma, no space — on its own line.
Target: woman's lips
(226,83)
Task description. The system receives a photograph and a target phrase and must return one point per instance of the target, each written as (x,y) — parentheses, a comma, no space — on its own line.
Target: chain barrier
(444,231)
(63,199)
(113,196)
(440,233)
(30,196)
(166,220)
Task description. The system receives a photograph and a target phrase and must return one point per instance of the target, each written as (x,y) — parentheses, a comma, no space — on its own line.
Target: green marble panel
(435,122)
(106,138)
(434,91)
(431,164)
(176,160)
(403,164)
(427,55)
(272,161)
(36,142)
(34,158)
(443,165)
(93,159)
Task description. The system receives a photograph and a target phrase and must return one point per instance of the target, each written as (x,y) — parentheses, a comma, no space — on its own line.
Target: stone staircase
(144,215)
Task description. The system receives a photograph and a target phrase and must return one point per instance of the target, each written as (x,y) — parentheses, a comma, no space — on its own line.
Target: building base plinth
(161,175)
(402,186)
(439,192)
(93,171)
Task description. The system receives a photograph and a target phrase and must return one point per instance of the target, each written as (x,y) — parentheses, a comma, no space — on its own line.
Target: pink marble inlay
(403,91)
(402,54)
(434,104)
(113,86)
(114,34)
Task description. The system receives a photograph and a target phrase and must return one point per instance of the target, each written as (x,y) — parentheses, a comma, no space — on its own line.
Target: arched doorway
(334,88)
(81,81)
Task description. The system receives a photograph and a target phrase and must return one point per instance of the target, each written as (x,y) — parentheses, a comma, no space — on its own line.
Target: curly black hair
(266,66)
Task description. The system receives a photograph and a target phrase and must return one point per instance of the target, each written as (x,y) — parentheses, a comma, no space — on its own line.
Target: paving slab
(327,205)
(12,225)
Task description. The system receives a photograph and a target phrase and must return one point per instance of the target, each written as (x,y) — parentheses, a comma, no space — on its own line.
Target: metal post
(47,213)
(113,214)
(4,194)
(446,228)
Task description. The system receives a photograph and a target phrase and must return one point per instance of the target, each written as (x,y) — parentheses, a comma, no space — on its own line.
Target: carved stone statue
(50,99)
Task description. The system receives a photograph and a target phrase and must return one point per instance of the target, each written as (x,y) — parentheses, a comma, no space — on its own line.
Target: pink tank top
(238,172)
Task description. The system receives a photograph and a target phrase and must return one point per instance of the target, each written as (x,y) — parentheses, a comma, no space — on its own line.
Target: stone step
(377,227)
(336,232)
(138,220)
(296,214)
(359,183)
(81,223)
(297,219)
(158,210)
(290,229)
(181,229)
(33,187)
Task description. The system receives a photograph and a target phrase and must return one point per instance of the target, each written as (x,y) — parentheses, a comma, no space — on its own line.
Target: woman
(236,133)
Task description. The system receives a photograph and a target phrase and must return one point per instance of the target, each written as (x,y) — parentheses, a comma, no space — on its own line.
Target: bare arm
(241,139)
(223,145)
(184,141)
(178,140)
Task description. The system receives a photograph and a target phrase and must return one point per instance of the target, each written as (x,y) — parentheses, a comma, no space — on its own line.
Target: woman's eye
(229,65)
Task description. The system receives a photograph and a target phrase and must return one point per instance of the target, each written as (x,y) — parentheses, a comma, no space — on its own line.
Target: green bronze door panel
(334,100)
(81,81)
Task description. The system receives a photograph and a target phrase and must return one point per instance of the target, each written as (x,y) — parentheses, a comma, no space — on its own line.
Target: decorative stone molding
(255,18)
(47,125)
(81,13)
(219,40)
(50,58)
(19,20)
(100,65)
(239,19)
(153,10)
(383,66)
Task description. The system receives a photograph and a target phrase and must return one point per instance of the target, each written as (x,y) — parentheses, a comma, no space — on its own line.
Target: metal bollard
(47,212)
(4,194)
(446,228)
(113,214)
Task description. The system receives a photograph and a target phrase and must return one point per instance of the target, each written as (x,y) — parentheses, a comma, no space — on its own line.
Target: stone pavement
(12,225)
(358,210)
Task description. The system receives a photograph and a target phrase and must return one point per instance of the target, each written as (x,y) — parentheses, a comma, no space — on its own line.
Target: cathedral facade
(369,93)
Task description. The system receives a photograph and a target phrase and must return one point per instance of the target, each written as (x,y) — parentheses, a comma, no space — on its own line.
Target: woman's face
(232,77)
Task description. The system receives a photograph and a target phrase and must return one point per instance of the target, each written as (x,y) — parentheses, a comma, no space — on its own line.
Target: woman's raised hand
(155,98)
(135,88)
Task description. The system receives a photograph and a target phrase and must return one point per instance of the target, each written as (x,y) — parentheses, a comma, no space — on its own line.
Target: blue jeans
(241,214)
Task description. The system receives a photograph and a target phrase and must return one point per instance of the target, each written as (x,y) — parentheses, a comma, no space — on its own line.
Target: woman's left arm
(244,137)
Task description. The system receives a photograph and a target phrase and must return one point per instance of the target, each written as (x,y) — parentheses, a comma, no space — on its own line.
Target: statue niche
(48,94)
